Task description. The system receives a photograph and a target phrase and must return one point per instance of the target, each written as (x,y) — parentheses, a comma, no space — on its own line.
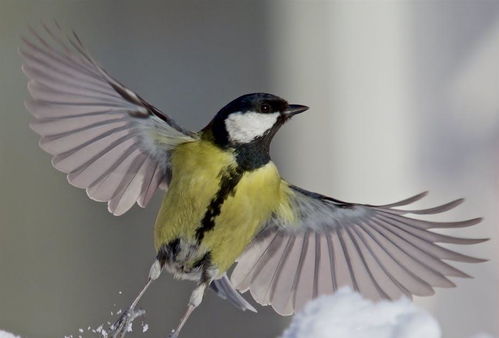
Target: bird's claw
(124,323)
(119,327)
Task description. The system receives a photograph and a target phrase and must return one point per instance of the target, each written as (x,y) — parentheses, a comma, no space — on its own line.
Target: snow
(346,314)
(5,334)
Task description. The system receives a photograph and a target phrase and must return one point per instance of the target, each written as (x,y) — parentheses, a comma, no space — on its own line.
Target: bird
(226,206)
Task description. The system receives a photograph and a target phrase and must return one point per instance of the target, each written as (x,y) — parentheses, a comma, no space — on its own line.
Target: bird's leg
(120,327)
(194,301)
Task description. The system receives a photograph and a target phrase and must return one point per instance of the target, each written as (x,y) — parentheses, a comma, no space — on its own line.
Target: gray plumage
(375,250)
(106,138)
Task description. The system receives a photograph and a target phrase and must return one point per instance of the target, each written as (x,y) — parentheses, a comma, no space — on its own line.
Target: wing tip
(466,258)
(470,222)
(283,313)
(406,201)
(454,224)
(470,241)
(117,210)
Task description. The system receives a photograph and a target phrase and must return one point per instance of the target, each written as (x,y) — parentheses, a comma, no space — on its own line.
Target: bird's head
(251,119)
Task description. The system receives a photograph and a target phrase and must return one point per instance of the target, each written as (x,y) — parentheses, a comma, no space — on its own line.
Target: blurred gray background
(403,97)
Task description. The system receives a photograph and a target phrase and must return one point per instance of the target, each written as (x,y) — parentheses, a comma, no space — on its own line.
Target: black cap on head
(248,113)
(257,102)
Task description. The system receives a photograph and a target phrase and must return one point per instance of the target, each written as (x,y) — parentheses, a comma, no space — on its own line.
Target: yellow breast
(256,196)
(195,169)
(196,178)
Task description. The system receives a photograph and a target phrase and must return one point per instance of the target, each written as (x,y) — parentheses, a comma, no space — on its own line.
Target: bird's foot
(124,323)
(173,334)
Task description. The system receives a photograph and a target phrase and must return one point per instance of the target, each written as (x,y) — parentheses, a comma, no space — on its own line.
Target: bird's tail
(225,290)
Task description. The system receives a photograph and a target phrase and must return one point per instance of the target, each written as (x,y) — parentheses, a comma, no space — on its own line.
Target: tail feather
(225,290)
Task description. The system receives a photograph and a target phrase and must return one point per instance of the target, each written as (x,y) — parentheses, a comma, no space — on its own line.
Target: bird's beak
(294,109)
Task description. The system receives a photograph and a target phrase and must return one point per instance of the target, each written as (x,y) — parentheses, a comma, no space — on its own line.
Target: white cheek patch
(244,128)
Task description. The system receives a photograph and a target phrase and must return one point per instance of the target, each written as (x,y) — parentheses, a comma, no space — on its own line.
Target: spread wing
(106,138)
(376,250)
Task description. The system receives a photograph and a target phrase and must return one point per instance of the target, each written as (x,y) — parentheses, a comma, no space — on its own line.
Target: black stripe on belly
(204,263)
(228,182)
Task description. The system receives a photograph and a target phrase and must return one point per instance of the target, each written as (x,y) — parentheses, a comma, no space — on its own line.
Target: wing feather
(391,287)
(299,271)
(317,263)
(432,237)
(332,264)
(106,138)
(266,265)
(370,268)
(128,191)
(157,175)
(280,266)
(406,201)
(434,262)
(248,262)
(420,269)
(283,283)
(363,275)
(435,210)
(376,250)
(341,269)
(390,258)
(348,260)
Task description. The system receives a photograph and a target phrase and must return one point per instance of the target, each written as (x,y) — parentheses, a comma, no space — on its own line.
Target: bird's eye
(265,108)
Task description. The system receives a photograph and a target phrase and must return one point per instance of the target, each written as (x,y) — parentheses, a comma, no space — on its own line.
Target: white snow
(5,334)
(346,314)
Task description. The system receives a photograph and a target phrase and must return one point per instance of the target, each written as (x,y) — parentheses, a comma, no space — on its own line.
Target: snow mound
(347,314)
(5,334)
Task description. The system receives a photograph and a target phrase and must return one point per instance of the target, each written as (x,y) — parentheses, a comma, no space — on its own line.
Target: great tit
(225,201)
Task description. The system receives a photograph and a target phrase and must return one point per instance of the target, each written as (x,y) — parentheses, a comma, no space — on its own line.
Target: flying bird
(225,201)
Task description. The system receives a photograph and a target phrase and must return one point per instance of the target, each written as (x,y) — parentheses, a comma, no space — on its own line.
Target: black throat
(253,155)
